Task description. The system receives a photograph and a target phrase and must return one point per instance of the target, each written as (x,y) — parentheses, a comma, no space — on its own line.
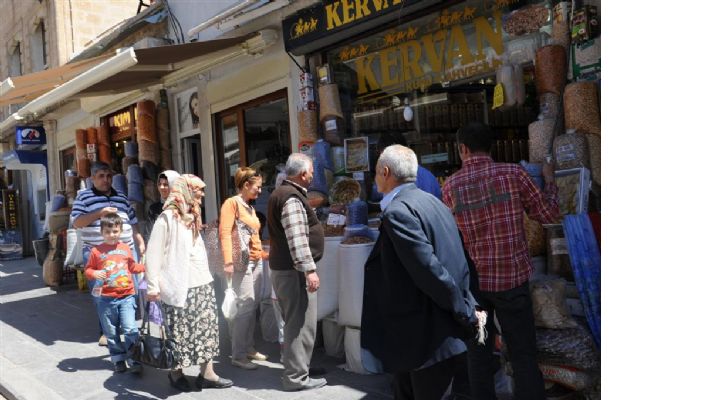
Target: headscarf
(182,200)
(170,175)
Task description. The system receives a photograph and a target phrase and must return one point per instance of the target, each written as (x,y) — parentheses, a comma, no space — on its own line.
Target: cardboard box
(585,24)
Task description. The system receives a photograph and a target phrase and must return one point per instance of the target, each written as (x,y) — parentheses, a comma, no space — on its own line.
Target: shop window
(425,78)
(38,47)
(16,61)
(67,161)
(253,134)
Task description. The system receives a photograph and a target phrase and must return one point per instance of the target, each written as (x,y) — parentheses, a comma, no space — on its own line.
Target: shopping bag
(229,304)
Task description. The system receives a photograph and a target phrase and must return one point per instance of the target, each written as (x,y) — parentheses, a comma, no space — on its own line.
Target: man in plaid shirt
(297,242)
(488,200)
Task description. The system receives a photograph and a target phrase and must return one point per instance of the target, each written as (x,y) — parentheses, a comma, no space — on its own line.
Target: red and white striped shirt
(488,200)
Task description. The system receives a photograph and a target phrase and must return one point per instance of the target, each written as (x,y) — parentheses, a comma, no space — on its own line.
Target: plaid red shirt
(488,200)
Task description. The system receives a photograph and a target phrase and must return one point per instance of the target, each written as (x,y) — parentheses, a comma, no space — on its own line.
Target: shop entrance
(254,134)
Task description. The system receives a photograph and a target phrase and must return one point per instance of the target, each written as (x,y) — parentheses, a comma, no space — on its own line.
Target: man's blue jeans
(118,317)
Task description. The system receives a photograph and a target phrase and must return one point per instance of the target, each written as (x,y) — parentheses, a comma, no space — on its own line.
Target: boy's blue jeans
(118,316)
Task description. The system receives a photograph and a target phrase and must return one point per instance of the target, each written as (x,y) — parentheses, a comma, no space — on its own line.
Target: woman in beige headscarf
(185,288)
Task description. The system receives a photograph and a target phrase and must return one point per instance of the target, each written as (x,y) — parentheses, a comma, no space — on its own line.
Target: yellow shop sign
(343,12)
(451,53)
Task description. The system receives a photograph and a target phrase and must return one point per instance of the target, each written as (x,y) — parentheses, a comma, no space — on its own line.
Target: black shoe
(135,368)
(316,371)
(120,367)
(180,384)
(220,383)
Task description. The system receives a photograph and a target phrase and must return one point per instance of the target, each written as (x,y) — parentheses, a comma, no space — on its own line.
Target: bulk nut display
(551,69)
(582,108)
(541,135)
(526,20)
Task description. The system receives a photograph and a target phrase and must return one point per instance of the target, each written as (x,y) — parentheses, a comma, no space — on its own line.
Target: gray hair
(297,164)
(401,161)
(100,166)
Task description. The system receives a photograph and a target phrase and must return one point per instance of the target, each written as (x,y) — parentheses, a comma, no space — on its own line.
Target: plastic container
(58,201)
(328,273)
(571,150)
(573,190)
(338,156)
(352,258)
(119,183)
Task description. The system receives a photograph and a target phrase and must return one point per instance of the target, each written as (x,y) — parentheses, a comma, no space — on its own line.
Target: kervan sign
(30,135)
(455,45)
(333,16)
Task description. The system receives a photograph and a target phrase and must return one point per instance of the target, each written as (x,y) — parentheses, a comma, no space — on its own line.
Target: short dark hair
(111,220)
(476,137)
(100,166)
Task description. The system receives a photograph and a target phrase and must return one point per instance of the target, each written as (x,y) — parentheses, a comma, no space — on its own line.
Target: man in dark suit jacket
(417,307)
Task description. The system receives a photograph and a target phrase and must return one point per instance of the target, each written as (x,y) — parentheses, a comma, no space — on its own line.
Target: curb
(18,384)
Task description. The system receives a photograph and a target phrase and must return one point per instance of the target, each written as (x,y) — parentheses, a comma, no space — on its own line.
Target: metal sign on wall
(30,135)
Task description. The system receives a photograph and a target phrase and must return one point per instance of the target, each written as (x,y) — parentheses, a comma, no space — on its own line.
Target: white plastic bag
(229,304)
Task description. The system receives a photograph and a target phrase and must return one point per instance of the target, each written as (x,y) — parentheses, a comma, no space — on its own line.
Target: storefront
(419,71)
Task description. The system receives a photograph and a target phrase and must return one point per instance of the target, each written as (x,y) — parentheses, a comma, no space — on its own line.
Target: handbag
(157,352)
(241,237)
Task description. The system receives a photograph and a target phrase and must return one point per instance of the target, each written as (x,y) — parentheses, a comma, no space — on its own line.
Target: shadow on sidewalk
(85,364)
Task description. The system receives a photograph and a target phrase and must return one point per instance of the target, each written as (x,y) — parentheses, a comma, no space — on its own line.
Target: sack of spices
(549,304)
(535,235)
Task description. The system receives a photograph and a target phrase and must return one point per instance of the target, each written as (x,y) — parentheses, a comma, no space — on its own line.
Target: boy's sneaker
(135,368)
(103,341)
(120,367)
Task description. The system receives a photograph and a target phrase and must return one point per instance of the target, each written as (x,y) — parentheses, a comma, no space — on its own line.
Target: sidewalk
(48,351)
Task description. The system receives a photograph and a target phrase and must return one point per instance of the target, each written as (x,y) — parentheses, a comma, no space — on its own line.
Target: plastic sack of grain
(541,134)
(595,157)
(582,108)
(307,125)
(321,151)
(519,83)
(329,101)
(119,183)
(549,105)
(130,149)
(135,174)
(551,69)
(127,162)
(535,235)
(571,150)
(560,24)
(504,76)
(549,305)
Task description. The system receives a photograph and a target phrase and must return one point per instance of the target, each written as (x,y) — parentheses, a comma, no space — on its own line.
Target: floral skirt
(195,327)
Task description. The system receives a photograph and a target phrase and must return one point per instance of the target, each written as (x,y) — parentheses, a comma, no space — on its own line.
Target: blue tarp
(586,264)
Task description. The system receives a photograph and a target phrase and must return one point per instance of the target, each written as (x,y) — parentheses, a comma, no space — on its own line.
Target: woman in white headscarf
(185,288)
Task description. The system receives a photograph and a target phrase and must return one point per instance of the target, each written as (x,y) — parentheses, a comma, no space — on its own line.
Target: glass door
(254,134)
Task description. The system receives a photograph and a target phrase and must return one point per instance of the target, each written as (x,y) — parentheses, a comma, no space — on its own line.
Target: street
(48,350)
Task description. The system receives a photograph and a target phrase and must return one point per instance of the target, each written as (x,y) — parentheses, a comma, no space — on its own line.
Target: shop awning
(128,70)
(24,88)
